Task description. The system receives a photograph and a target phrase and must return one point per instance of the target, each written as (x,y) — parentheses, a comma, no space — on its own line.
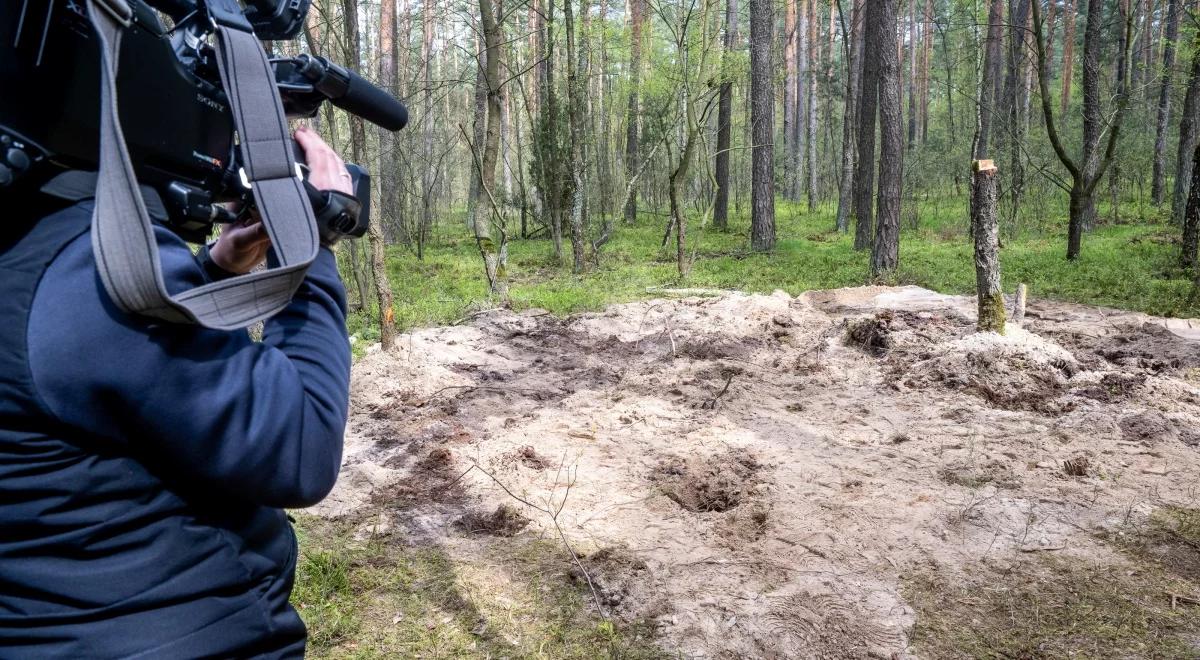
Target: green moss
(991,313)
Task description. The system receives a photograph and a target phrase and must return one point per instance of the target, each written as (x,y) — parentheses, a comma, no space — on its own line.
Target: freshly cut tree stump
(985,230)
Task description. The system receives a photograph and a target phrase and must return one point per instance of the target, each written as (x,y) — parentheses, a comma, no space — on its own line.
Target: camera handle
(123,238)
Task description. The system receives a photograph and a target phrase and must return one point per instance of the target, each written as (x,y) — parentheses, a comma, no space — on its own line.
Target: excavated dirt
(759,474)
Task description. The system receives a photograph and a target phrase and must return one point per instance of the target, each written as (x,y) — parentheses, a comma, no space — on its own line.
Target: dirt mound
(715,484)
(504,521)
(756,475)
(1015,371)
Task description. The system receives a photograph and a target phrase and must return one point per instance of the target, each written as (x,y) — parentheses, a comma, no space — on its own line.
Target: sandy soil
(758,474)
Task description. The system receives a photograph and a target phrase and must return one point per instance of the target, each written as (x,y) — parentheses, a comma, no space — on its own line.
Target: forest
(768,328)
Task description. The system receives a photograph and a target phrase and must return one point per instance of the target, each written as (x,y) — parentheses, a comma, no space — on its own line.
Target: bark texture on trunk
(762,118)
(988,96)
(1188,124)
(854,53)
(1191,217)
(636,20)
(868,108)
(575,93)
(885,253)
(985,228)
(1157,183)
(724,125)
(387,194)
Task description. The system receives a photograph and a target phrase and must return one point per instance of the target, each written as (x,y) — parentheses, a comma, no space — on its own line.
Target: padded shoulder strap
(122,234)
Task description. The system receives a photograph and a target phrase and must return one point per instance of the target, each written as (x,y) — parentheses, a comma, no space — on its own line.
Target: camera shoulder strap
(122,234)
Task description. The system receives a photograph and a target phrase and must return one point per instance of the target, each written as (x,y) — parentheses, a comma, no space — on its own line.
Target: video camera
(174,112)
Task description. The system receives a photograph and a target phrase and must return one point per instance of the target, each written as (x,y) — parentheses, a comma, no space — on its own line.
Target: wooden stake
(986,230)
(1018,315)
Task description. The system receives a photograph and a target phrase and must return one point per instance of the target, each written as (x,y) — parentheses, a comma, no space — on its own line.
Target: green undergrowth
(1130,264)
(379,598)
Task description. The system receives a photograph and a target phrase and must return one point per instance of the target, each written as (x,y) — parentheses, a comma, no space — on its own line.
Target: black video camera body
(174,111)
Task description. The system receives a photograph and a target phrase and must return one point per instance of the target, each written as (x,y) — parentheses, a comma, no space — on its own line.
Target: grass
(379,598)
(1053,607)
(1129,265)
(1062,606)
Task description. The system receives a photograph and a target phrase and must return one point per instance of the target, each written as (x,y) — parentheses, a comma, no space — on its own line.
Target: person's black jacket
(144,466)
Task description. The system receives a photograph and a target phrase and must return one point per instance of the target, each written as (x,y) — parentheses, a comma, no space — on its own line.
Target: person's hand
(326,169)
(241,246)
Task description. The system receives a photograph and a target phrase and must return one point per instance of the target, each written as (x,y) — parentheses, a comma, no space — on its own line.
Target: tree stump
(985,229)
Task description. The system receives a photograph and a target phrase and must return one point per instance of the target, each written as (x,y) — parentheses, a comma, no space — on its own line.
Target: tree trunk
(358,133)
(854,59)
(575,93)
(487,221)
(387,197)
(885,254)
(868,100)
(724,124)
(989,79)
(1068,65)
(762,118)
(985,226)
(479,123)
(791,118)
(1088,170)
(1015,93)
(637,18)
(1164,104)
(1188,124)
(926,58)
(811,120)
(1191,217)
(912,74)
(1093,118)
(427,174)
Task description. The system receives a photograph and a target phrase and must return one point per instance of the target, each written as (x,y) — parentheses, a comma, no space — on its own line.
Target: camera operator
(145,465)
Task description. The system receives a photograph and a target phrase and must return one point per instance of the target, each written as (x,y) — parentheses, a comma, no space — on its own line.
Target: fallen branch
(711,404)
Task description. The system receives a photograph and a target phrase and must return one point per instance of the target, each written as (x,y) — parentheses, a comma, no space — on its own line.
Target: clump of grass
(1052,607)
(379,598)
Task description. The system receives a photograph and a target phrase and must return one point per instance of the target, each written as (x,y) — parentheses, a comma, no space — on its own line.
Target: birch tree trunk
(985,227)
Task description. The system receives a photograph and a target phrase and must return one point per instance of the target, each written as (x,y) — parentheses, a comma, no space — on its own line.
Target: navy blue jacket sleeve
(261,422)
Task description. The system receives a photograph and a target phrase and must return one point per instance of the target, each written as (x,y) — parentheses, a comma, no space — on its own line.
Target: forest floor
(1129,264)
(844,473)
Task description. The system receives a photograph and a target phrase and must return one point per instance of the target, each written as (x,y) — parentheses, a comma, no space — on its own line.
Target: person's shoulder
(180,269)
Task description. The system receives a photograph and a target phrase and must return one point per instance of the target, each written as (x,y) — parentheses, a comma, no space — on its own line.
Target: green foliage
(1129,266)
